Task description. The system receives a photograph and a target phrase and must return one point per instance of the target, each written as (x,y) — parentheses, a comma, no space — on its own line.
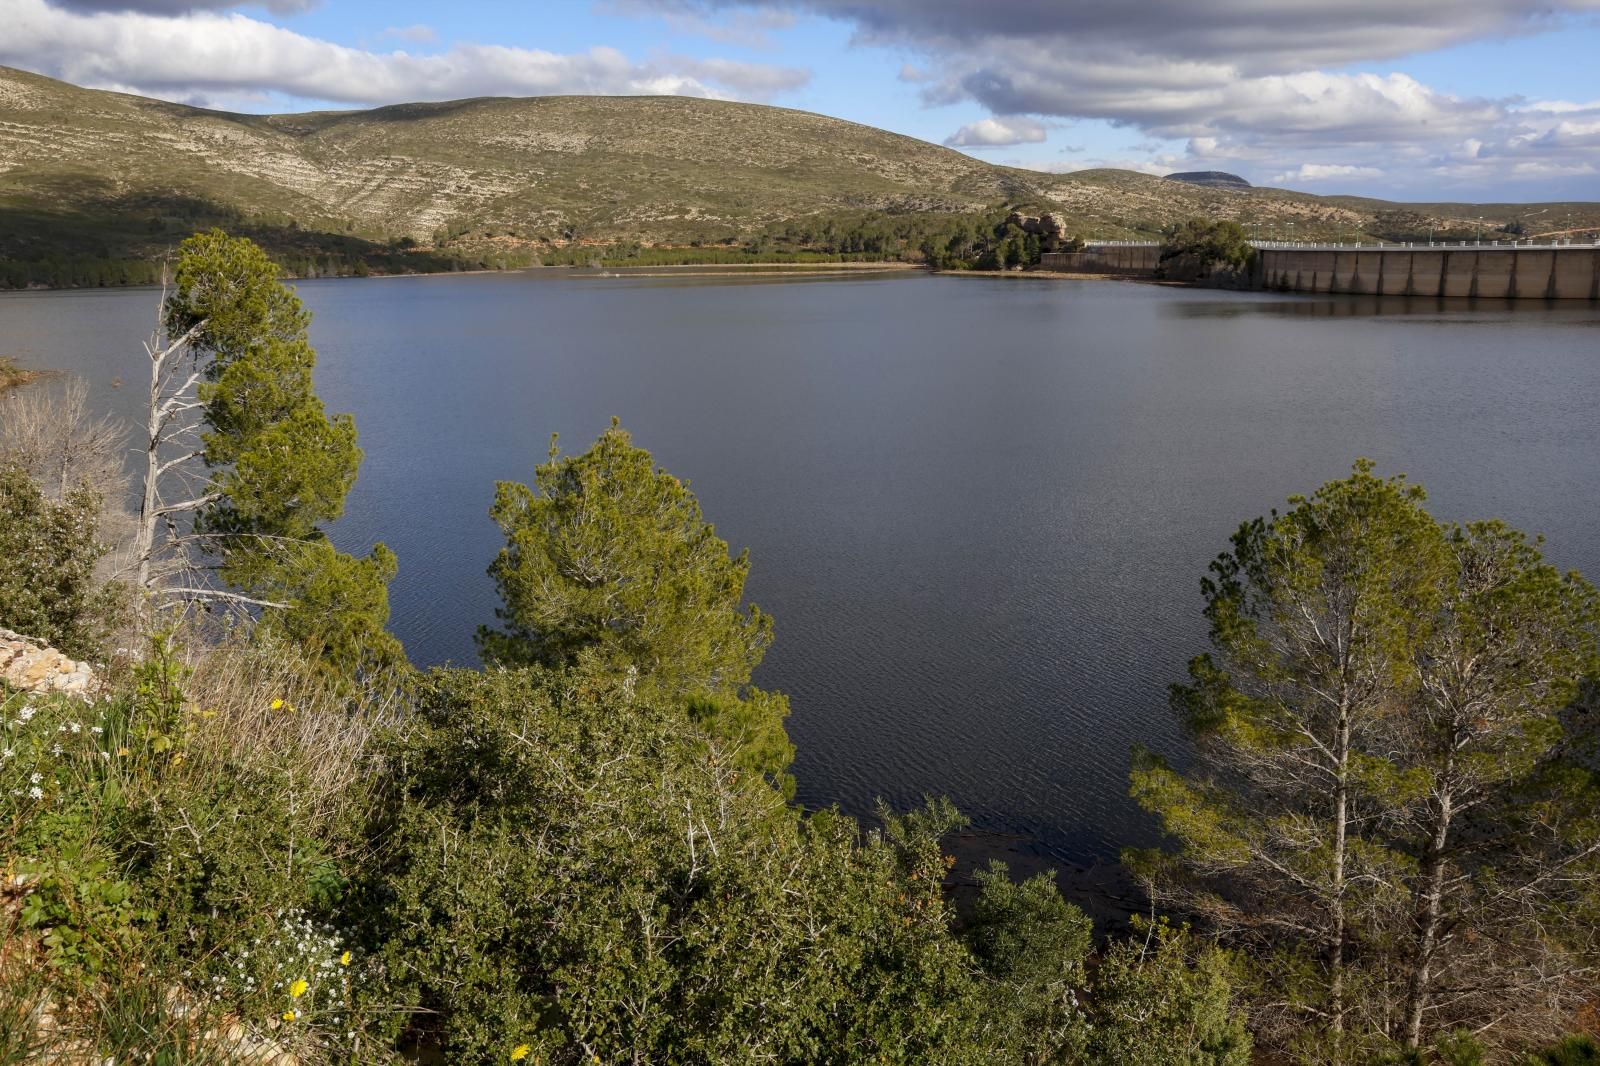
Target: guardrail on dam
(1493,271)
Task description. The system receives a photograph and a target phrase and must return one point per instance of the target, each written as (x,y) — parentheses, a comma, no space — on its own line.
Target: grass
(13,375)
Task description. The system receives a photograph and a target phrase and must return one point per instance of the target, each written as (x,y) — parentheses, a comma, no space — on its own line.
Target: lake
(978,509)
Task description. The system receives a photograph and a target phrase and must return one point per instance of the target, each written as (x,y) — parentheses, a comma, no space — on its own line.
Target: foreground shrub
(609,559)
(1162,998)
(48,552)
(1573,1051)
(573,870)
(540,863)
(191,840)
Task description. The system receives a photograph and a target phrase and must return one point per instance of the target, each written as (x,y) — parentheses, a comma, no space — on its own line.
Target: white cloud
(1314,172)
(180,7)
(1263,87)
(996,132)
(207,54)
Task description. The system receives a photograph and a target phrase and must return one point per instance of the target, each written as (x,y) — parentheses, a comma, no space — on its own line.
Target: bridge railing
(1381,246)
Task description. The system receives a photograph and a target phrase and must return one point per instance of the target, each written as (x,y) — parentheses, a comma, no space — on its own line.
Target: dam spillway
(1514,272)
(1465,270)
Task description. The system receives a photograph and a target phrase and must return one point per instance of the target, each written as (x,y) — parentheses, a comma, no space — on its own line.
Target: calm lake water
(979,509)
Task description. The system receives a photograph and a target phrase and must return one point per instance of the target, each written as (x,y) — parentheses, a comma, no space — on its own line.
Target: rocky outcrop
(1051,229)
(32,666)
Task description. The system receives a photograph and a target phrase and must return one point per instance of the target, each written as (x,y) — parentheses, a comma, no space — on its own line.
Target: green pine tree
(1315,617)
(277,467)
(610,561)
(1383,807)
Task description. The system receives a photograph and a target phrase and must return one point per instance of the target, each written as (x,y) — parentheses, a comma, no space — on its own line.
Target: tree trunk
(1429,897)
(1341,816)
(144,544)
(1336,934)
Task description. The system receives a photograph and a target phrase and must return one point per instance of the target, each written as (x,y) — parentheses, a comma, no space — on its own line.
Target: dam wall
(1105,259)
(1551,272)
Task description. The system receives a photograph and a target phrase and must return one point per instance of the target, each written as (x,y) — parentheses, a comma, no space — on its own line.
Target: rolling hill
(96,175)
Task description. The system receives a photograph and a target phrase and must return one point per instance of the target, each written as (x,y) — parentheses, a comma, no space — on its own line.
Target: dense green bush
(192,836)
(1573,1051)
(609,559)
(1165,999)
(539,857)
(571,868)
(48,552)
(1032,946)
(1197,247)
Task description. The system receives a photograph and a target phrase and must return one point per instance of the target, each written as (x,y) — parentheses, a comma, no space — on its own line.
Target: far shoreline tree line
(1386,847)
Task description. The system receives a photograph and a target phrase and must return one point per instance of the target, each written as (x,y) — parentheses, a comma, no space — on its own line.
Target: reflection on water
(1549,311)
(978,509)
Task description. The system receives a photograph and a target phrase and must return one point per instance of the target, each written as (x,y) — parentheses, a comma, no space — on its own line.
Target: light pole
(1480,229)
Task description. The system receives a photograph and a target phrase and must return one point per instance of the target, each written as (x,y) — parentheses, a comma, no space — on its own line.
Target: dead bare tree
(50,430)
(64,448)
(170,554)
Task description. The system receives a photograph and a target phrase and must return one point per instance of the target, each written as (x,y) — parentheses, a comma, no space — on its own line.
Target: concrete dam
(1122,257)
(1469,270)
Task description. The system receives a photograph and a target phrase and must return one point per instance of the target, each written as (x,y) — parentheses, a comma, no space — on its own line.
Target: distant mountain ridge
(1217,179)
(89,173)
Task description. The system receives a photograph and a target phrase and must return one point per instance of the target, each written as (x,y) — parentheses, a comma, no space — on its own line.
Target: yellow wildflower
(290,1015)
(277,705)
(298,989)
(520,1052)
(344,960)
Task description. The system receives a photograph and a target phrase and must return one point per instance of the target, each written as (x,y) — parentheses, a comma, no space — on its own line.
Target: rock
(34,666)
(1051,229)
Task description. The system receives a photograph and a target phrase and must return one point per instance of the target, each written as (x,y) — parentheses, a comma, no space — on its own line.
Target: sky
(1477,100)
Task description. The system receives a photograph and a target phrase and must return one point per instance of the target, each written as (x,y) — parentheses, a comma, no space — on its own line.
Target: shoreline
(712,269)
(762,270)
(1102,889)
(13,376)
(1058,275)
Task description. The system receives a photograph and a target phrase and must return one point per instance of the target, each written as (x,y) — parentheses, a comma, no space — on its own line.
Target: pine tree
(236,430)
(1316,615)
(610,561)
(1384,806)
